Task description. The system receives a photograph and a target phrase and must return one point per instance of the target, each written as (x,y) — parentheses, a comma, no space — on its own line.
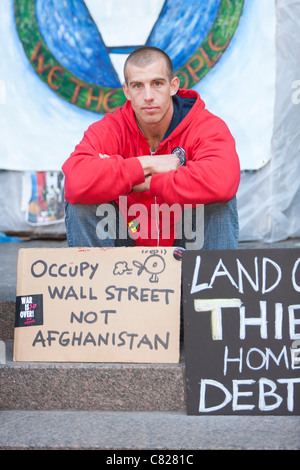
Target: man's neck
(154,142)
(155,133)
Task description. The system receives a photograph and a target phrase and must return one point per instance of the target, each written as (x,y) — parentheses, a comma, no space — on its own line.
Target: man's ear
(175,82)
(126,91)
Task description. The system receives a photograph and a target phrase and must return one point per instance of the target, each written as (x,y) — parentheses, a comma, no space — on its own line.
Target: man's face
(149,89)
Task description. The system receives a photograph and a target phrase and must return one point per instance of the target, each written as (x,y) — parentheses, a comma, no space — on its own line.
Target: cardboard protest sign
(242,331)
(98,305)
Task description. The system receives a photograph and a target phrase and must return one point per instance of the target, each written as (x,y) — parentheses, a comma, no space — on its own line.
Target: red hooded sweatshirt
(211,174)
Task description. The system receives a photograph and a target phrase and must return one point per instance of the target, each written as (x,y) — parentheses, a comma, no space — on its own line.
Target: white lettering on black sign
(242,331)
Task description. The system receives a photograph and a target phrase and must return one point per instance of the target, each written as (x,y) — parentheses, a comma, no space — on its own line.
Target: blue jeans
(104,226)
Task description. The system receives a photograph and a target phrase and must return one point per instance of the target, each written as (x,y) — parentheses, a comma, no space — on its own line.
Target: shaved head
(147,55)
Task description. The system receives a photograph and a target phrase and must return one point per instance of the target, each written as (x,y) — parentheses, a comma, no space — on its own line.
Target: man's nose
(148,93)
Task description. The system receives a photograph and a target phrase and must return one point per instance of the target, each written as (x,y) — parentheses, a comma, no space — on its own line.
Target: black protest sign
(242,331)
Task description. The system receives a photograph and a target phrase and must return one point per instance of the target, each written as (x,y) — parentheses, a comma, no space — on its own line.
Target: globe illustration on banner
(78,47)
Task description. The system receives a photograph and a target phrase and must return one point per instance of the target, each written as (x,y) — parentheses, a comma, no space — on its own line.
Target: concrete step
(7,320)
(140,431)
(91,386)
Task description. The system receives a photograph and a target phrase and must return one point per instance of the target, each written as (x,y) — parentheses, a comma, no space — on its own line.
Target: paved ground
(145,430)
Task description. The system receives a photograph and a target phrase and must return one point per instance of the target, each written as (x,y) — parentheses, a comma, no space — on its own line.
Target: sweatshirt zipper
(156,211)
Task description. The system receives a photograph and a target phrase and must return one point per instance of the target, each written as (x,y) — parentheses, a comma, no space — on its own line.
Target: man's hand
(165,163)
(145,186)
(153,164)
(159,163)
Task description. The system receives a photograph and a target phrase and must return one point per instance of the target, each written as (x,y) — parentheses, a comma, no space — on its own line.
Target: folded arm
(211,174)
(96,173)
(94,176)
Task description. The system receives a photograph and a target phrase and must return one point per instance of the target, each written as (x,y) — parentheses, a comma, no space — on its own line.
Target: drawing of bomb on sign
(154,264)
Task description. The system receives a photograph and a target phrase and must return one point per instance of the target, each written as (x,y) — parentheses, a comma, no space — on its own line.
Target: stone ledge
(91,386)
(7,320)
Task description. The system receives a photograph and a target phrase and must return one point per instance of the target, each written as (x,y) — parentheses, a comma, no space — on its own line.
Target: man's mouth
(150,108)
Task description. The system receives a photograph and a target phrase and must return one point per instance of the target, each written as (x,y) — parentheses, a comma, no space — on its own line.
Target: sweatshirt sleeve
(92,179)
(212,172)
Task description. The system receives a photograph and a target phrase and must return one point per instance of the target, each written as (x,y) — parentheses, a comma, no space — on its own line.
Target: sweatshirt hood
(198,106)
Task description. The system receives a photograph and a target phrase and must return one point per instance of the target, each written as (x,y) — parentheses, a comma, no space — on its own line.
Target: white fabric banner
(254,87)
(39,129)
